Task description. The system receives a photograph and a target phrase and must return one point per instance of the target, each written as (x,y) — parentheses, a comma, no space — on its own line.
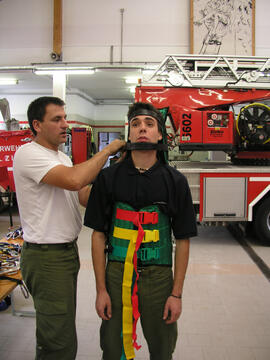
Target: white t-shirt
(48,213)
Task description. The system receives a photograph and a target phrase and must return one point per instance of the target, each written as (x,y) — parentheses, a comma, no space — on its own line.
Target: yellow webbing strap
(126,299)
(127,312)
(150,235)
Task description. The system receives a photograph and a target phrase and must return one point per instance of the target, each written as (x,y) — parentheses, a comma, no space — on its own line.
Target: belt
(48,246)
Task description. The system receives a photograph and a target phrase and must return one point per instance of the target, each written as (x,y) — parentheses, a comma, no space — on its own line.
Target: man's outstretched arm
(76,177)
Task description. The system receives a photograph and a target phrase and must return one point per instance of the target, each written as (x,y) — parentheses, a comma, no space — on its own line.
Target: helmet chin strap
(146,146)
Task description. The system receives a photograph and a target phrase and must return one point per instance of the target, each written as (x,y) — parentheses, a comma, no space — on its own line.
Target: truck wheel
(262,221)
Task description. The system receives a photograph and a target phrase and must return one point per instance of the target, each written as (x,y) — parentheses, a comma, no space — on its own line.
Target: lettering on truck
(216,133)
(8,158)
(7,154)
(186,127)
(9,148)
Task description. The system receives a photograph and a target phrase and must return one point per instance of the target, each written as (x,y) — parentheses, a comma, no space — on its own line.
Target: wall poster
(225,27)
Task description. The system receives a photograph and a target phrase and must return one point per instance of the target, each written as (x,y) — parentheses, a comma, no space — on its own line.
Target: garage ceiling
(106,85)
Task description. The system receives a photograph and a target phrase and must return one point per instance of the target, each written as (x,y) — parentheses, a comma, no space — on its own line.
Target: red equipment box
(203,129)
(218,127)
(81,144)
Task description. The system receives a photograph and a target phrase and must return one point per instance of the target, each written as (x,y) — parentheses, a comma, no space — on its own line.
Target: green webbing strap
(143,253)
(148,254)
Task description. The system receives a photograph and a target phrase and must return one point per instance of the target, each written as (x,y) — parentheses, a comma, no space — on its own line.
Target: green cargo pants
(154,287)
(50,273)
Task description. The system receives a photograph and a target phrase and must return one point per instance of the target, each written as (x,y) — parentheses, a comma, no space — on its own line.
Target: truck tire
(262,221)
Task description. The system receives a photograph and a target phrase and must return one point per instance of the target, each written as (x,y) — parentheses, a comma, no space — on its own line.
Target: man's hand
(103,305)
(115,146)
(172,310)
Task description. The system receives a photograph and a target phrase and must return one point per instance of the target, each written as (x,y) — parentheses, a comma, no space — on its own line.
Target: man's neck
(144,159)
(45,144)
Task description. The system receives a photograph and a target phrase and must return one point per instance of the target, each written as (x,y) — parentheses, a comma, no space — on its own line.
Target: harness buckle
(147,217)
(155,218)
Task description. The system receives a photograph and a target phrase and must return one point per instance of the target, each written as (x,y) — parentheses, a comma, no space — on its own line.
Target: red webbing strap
(138,218)
(134,297)
(144,216)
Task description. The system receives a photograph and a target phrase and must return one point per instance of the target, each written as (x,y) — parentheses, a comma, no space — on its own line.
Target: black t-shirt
(161,184)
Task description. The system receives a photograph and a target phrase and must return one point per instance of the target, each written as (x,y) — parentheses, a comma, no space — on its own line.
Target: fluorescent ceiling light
(64,70)
(9,81)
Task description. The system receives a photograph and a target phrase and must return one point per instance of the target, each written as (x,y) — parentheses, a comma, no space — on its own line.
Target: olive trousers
(154,287)
(50,274)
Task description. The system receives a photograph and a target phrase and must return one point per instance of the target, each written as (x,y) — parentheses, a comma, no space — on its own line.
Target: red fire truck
(201,95)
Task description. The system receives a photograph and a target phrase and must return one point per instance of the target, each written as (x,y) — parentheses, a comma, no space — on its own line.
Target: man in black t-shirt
(133,207)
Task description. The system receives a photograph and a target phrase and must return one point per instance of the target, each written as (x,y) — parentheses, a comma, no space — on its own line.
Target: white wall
(79,109)
(18,106)
(151,29)
(26,31)
(111,112)
(262,28)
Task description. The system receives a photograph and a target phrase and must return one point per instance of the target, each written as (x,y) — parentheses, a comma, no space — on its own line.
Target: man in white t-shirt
(49,189)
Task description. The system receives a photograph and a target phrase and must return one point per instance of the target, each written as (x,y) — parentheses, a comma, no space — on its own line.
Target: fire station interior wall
(109,127)
(18,106)
(79,110)
(92,30)
(92,33)
(109,118)
(110,112)
(82,109)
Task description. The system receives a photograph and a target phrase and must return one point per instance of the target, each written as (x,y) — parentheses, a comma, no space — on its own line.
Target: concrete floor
(225,305)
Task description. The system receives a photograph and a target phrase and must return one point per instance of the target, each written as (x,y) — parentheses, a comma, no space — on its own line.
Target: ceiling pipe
(96,66)
(25,68)
(56,55)
(122,31)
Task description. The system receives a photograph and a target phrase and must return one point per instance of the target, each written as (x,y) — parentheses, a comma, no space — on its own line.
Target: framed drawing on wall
(224,27)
